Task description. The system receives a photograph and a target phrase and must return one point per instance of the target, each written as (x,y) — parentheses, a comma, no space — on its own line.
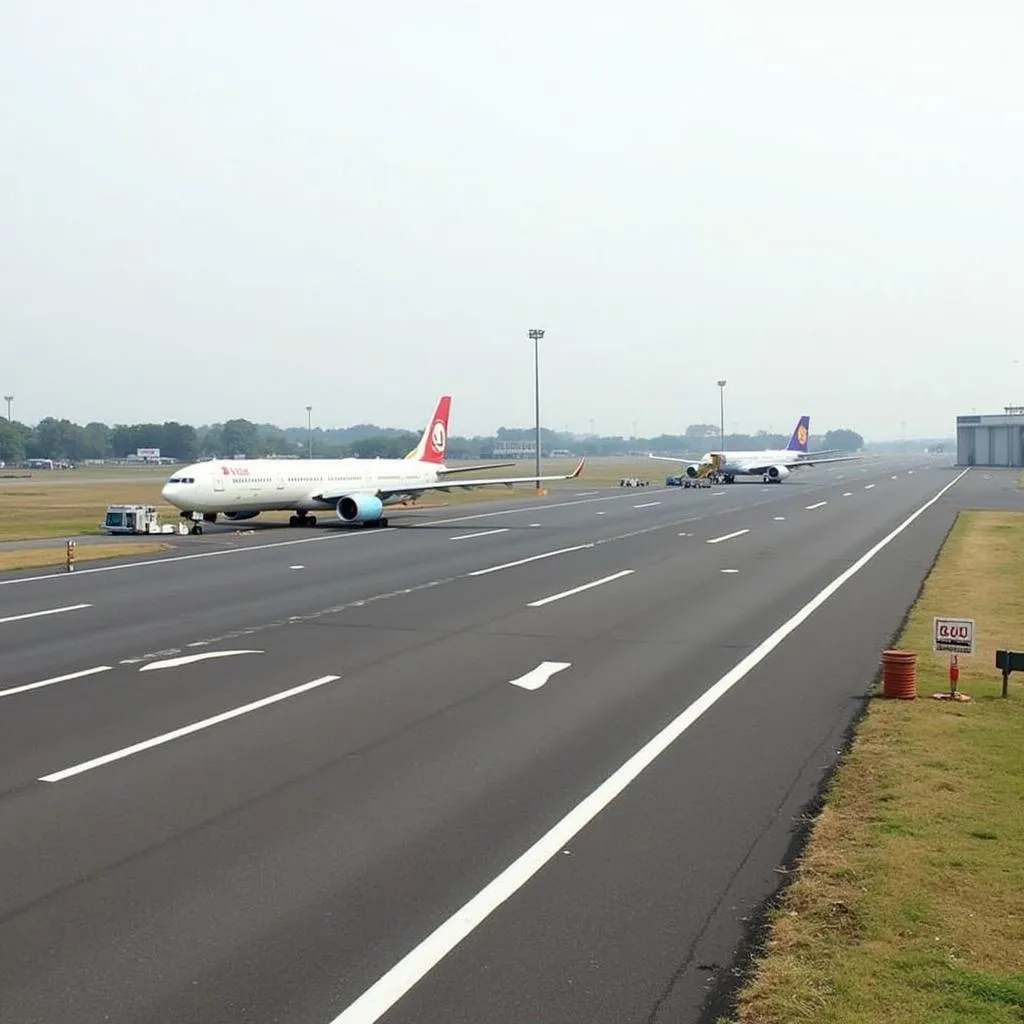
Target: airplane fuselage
(271,485)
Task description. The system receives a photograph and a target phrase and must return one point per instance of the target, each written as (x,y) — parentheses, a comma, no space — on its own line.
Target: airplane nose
(165,492)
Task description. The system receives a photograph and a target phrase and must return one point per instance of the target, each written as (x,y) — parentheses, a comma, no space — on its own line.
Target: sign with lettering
(953,635)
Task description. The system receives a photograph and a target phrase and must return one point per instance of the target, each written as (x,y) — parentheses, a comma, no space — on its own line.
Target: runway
(405,775)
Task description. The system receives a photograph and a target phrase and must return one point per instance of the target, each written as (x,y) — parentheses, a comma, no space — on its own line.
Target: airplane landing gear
(302,519)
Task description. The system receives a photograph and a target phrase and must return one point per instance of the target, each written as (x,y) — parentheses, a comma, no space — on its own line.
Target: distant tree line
(53,438)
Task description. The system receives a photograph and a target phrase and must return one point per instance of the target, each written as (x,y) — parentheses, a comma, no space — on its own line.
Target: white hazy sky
(238,208)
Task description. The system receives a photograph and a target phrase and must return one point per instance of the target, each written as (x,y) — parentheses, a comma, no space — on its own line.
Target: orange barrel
(899,677)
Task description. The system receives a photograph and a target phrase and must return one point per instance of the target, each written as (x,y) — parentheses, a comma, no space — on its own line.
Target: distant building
(514,449)
(993,440)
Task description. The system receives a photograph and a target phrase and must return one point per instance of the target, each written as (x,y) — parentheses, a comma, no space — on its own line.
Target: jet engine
(241,515)
(692,472)
(777,474)
(360,508)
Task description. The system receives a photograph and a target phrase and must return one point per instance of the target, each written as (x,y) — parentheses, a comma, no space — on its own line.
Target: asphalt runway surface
(526,762)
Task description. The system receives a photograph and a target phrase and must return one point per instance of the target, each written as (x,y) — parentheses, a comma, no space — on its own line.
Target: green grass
(71,504)
(908,904)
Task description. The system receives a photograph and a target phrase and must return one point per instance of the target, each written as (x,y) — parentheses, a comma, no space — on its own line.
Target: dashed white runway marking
(56,679)
(728,536)
(579,590)
(482,533)
(48,611)
(166,737)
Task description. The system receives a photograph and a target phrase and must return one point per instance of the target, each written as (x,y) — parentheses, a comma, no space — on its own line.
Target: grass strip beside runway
(908,903)
(42,558)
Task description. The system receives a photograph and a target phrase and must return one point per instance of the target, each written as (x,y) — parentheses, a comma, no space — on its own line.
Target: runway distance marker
(384,993)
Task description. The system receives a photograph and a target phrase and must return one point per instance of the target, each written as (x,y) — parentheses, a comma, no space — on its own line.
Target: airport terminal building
(991,440)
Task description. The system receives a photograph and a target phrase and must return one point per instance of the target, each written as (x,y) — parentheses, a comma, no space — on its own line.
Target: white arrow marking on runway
(49,611)
(187,659)
(537,677)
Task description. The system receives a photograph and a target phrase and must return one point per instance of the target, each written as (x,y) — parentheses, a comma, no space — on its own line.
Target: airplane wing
(793,463)
(447,485)
(448,470)
(672,458)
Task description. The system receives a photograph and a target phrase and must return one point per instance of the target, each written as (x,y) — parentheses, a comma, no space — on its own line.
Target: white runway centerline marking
(188,659)
(817,504)
(648,504)
(49,611)
(166,737)
(421,959)
(537,677)
(867,487)
(579,590)
(482,533)
(728,570)
(532,558)
(56,679)
(728,536)
(780,519)
(847,494)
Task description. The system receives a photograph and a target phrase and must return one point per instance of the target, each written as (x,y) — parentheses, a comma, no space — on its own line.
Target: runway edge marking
(418,962)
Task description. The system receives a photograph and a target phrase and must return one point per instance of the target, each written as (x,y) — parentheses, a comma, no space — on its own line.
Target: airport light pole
(721,409)
(535,336)
(309,428)
(9,399)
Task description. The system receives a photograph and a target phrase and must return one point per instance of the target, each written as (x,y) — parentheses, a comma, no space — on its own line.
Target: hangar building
(991,440)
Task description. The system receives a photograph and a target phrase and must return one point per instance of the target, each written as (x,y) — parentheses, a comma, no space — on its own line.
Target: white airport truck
(137,519)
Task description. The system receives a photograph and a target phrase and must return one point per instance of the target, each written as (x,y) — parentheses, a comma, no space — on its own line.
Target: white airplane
(772,466)
(356,489)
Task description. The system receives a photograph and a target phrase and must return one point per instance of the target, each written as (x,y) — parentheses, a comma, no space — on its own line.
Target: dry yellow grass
(41,558)
(53,504)
(908,904)
(56,504)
